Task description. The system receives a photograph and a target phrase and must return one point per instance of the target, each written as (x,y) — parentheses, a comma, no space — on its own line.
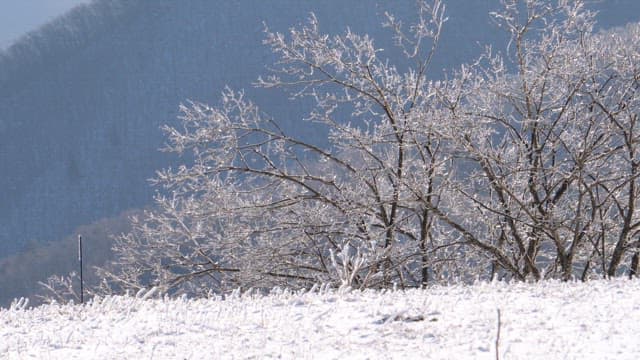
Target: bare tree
(258,207)
(520,166)
(550,150)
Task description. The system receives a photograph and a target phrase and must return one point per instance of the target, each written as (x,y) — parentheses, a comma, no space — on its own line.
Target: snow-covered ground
(550,320)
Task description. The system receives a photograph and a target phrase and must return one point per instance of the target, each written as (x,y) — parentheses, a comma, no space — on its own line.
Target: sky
(18,17)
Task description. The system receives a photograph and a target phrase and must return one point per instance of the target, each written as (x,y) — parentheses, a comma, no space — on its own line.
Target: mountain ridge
(79,126)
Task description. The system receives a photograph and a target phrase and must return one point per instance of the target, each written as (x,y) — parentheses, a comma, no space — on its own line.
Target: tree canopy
(522,164)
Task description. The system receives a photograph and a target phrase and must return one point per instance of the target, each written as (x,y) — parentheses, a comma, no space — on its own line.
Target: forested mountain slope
(82,99)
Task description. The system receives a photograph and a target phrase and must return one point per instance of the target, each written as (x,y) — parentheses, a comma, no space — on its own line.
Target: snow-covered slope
(552,320)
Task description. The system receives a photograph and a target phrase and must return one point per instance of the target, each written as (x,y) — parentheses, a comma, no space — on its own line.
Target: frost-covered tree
(548,136)
(257,207)
(522,165)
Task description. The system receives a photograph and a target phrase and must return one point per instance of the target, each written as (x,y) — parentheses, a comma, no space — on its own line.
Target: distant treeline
(61,38)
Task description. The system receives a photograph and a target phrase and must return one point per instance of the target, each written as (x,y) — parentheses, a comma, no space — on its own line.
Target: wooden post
(80,260)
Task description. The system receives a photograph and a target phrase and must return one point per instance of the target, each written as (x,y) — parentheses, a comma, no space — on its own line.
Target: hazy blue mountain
(82,99)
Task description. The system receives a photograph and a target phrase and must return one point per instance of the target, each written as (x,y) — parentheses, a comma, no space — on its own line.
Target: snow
(548,320)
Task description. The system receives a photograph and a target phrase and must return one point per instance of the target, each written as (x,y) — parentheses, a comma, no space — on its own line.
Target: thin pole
(80,260)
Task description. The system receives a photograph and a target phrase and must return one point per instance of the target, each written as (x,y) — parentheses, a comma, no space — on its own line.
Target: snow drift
(549,320)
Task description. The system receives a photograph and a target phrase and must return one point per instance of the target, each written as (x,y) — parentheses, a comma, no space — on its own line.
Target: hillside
(82,98)
(548,320)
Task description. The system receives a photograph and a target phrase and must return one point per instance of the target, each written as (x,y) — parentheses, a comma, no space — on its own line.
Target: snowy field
(552,320)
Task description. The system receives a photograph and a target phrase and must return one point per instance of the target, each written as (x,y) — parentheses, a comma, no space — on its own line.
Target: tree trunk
(633,270)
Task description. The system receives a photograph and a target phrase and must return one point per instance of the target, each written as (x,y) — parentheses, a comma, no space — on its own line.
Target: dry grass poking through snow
(549,320)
